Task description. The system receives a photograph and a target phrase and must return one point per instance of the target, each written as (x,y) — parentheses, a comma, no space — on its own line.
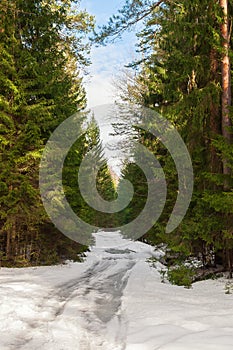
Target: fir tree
(41,52)
(185,75)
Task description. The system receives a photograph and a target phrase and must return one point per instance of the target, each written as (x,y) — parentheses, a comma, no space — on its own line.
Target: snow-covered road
(112,301)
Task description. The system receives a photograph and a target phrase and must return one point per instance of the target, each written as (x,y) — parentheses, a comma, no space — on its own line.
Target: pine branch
(143,14)
(126,19)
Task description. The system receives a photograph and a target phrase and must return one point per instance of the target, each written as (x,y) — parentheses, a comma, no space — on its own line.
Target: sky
(108,61)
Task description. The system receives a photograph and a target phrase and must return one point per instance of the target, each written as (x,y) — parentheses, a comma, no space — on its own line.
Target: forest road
(97,298)
(78,306)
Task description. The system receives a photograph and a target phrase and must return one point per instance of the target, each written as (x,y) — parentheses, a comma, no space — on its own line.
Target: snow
(113,301)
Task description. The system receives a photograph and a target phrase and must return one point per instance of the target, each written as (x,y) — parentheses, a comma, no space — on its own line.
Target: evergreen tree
(41,52)
(104,183)
(185,75)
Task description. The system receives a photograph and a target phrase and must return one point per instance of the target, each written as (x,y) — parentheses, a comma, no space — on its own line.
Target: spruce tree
(41,55)
(185,75)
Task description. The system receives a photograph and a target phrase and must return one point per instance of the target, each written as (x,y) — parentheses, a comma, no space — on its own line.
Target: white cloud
(99,90)
(107,63)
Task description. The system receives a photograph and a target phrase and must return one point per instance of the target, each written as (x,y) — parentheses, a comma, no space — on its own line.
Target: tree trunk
(11,236)
(226,82)
(229,261)
(226,103)
(215,116)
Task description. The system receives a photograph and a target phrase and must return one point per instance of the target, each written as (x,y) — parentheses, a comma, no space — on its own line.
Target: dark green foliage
(104,182)
(41,52)
(134,174)
(180,77)
(181,276)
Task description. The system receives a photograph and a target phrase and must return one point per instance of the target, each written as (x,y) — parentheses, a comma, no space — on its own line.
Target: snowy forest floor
(113,301)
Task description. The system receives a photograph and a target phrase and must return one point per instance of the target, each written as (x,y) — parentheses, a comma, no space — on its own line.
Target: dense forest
(184,73)
(43,50)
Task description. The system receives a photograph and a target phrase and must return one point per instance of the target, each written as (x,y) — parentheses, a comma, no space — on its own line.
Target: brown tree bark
(226,79)
(226,103)
(215,115)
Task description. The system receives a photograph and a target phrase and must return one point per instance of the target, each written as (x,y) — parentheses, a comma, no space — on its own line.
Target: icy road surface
(112,301)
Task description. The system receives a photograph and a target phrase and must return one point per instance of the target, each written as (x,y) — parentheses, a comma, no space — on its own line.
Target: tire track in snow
(86,309)
(99,291)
